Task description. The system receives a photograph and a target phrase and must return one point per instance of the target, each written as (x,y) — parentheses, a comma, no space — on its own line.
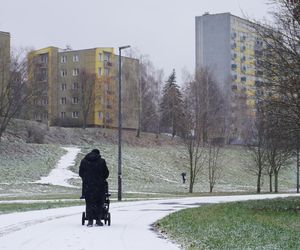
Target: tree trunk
(276,181)
(191,188)
(270,180)
(298,163)
(258,189)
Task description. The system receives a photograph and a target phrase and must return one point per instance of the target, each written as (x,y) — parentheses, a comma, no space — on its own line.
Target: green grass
(264,224)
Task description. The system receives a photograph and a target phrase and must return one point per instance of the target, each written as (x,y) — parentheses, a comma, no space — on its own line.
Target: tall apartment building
(4,58)
(227,45)
(71,78)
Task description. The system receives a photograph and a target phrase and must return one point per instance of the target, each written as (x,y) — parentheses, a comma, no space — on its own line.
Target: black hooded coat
(94,172)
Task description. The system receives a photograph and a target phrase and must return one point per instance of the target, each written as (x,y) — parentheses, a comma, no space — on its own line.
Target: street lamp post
(120,128)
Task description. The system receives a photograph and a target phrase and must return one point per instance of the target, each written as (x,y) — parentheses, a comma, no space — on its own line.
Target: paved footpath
(61,228)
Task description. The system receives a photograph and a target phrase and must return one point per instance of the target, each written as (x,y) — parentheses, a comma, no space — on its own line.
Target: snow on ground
(61,228)
(61,173)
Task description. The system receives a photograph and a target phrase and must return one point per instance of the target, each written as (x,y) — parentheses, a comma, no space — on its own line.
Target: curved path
(61,228)
(60,174)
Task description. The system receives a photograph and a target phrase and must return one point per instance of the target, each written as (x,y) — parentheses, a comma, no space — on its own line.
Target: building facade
(227,45)
(81,85)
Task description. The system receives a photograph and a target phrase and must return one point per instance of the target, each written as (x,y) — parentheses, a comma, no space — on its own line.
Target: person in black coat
(94,172)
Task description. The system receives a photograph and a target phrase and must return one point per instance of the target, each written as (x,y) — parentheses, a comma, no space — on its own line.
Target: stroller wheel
(83,218)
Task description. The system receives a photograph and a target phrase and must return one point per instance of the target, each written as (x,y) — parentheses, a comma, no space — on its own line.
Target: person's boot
(90,223)
(99,223)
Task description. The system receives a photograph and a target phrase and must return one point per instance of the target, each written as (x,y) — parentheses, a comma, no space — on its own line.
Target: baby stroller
(105,214)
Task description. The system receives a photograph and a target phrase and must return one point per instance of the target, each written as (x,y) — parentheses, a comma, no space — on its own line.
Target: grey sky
(162,29)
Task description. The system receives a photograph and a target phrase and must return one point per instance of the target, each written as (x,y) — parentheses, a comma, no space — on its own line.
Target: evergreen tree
(171,106)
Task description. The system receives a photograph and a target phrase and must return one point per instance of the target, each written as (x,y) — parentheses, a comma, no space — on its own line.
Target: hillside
(151,165)
(19,131)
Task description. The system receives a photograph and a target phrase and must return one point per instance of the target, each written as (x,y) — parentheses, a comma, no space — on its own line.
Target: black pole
(120,129)
(298,186)
(120,135)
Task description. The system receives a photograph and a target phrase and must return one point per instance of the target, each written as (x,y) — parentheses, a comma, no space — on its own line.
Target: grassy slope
(269,224)
(150,164)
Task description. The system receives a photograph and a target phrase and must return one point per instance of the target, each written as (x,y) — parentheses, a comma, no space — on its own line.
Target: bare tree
(86,94)
(279,64)
(214,166)
(256,147)
(15,92)
(203,125)
(149,92)
(130,93)
(151,81)
(212,106)
(278,148)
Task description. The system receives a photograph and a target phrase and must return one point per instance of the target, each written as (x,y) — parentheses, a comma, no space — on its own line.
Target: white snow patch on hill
(61,174)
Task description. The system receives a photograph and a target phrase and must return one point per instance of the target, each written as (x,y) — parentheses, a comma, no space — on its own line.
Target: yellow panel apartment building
(72,80)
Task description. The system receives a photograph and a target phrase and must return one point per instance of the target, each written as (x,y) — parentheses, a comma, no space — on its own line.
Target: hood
(92,156)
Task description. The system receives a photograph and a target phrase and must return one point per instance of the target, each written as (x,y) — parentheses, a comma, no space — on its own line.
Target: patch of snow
(61,174)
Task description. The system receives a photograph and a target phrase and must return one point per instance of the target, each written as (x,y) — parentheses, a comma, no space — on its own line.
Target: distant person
(94,172)
(183,175)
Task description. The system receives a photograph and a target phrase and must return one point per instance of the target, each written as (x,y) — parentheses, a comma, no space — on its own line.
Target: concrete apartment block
(62,73)
(227,45)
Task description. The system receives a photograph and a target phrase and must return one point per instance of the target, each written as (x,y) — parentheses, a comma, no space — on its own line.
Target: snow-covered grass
(158,170)
(29,206)
(153,171)
(26,162)
(265,224)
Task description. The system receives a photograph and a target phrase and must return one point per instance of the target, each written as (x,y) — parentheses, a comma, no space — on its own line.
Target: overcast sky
(162,29)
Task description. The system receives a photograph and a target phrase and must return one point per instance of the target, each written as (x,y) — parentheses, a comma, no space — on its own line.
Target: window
(75,114)
(45,101)
(45,116)
(43,74)
(243,38)
(106,57)
(75,58)
(106,72)
(63,100)
(35,102)
(243,68)
(100,57)
(63,72)
(63,86)
(63,59)
(99,71)
(75,72)
(100,115)
(62,114)
(37,117)
(75,100)
(107,116)
(243,79)
(44,58)
(75,86)
(233,66)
